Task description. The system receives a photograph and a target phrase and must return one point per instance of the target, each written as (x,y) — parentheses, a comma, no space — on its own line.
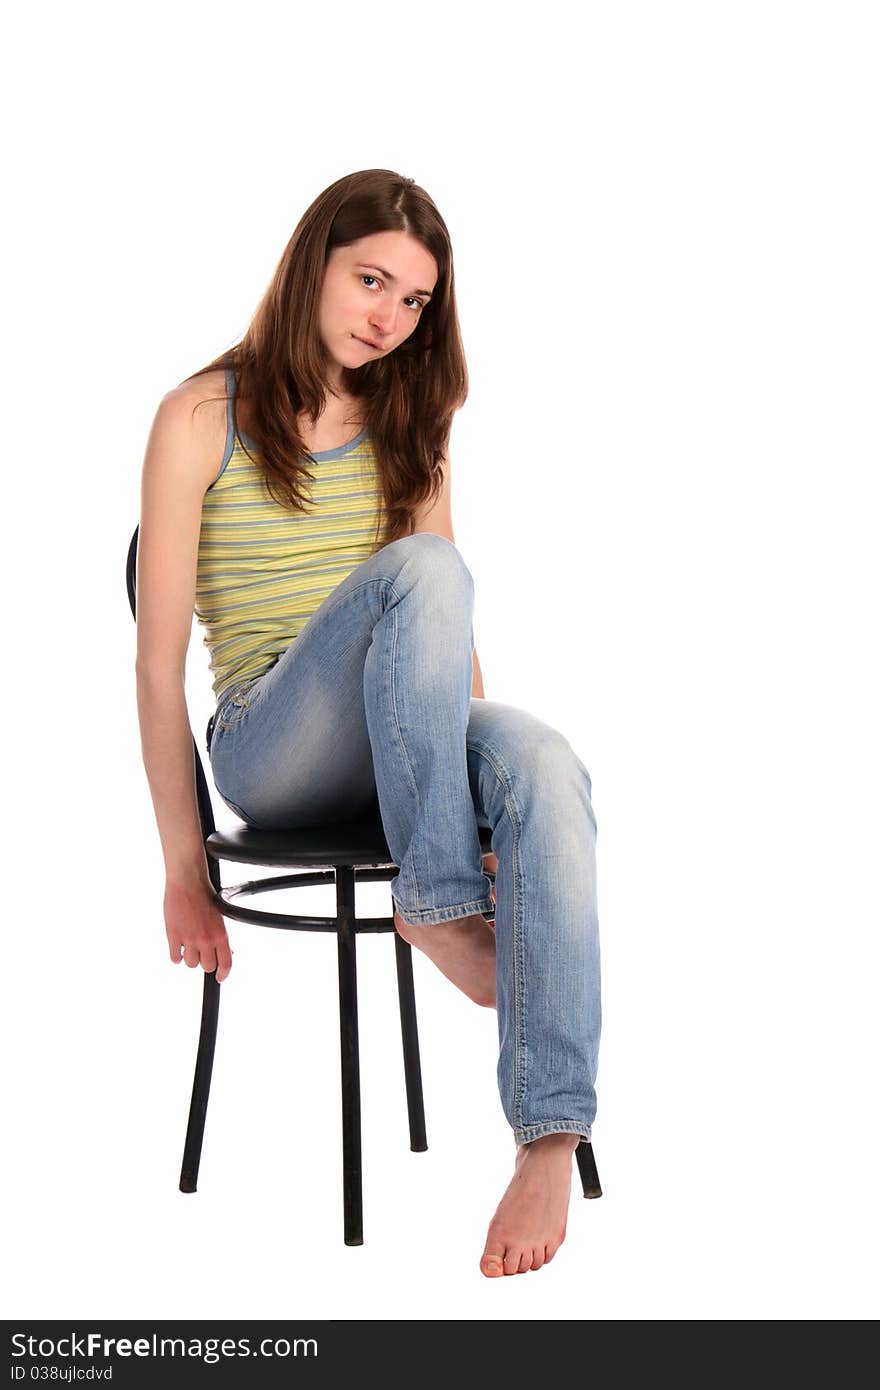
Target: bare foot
(529,1224)
(462,950)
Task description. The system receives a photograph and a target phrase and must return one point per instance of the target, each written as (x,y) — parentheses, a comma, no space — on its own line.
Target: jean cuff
(430,916)
(524,1134)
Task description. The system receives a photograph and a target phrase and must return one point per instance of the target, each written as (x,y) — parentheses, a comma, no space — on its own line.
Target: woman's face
(376,288)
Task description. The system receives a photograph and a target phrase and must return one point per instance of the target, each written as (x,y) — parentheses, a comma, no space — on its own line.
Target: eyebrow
(392,278)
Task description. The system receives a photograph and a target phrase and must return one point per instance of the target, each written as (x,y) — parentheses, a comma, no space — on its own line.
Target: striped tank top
(263,570)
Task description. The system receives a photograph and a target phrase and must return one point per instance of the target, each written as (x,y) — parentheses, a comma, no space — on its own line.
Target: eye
(417,303)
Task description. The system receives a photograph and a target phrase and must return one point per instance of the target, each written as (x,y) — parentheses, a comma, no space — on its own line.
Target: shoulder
(194,415)
(205,397)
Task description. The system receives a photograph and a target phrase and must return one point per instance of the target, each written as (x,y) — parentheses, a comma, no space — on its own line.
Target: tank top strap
(230,423)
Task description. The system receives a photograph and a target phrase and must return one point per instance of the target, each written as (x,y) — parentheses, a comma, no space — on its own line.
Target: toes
(513,1260)
(516,1261)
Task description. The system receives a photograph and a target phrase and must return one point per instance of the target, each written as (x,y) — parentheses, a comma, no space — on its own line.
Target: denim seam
(520,1050)
(393,703)
(356,588)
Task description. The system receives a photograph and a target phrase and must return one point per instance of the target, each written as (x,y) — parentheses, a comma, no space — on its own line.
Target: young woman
(296,495)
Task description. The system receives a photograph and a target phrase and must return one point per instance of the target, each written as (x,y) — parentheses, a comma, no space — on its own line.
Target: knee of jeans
(559,787)
(550,764)
(435,555)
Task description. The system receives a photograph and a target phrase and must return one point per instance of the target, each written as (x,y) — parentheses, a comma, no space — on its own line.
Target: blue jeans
(370,710)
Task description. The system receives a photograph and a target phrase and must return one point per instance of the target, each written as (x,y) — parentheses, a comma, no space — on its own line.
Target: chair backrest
(203,796)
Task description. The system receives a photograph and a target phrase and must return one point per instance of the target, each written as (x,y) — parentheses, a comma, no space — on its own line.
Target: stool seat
(355,844)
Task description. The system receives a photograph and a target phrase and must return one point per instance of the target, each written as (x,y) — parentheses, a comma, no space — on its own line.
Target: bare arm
(177,469)
(166,746)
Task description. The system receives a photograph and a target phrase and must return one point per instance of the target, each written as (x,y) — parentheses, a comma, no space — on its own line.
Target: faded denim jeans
(370,709)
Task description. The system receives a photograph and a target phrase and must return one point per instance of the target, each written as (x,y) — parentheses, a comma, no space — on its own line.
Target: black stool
(347,853)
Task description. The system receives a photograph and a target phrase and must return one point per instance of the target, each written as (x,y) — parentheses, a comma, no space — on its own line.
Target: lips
(366,342)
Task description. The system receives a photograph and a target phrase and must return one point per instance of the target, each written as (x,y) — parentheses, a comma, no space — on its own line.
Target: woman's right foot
(529,1224)
(463,950)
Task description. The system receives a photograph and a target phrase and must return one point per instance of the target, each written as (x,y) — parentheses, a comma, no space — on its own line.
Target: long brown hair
(409,397)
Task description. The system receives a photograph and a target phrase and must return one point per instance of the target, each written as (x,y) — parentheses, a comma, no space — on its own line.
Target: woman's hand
(194,927)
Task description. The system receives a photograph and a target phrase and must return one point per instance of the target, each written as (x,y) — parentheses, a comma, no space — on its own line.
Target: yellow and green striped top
(263,570)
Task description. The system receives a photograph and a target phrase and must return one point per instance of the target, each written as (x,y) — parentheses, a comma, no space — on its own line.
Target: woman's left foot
(529,1225)
(463,950)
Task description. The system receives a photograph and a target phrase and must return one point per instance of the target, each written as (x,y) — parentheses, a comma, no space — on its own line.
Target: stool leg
(352,1193)
(586,1163)
(195,1129)
(412,1068)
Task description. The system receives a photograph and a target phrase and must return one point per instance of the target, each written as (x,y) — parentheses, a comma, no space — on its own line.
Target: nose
(383,321)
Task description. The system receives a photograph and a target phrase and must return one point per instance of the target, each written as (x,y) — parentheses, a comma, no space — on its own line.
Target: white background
(665,225)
